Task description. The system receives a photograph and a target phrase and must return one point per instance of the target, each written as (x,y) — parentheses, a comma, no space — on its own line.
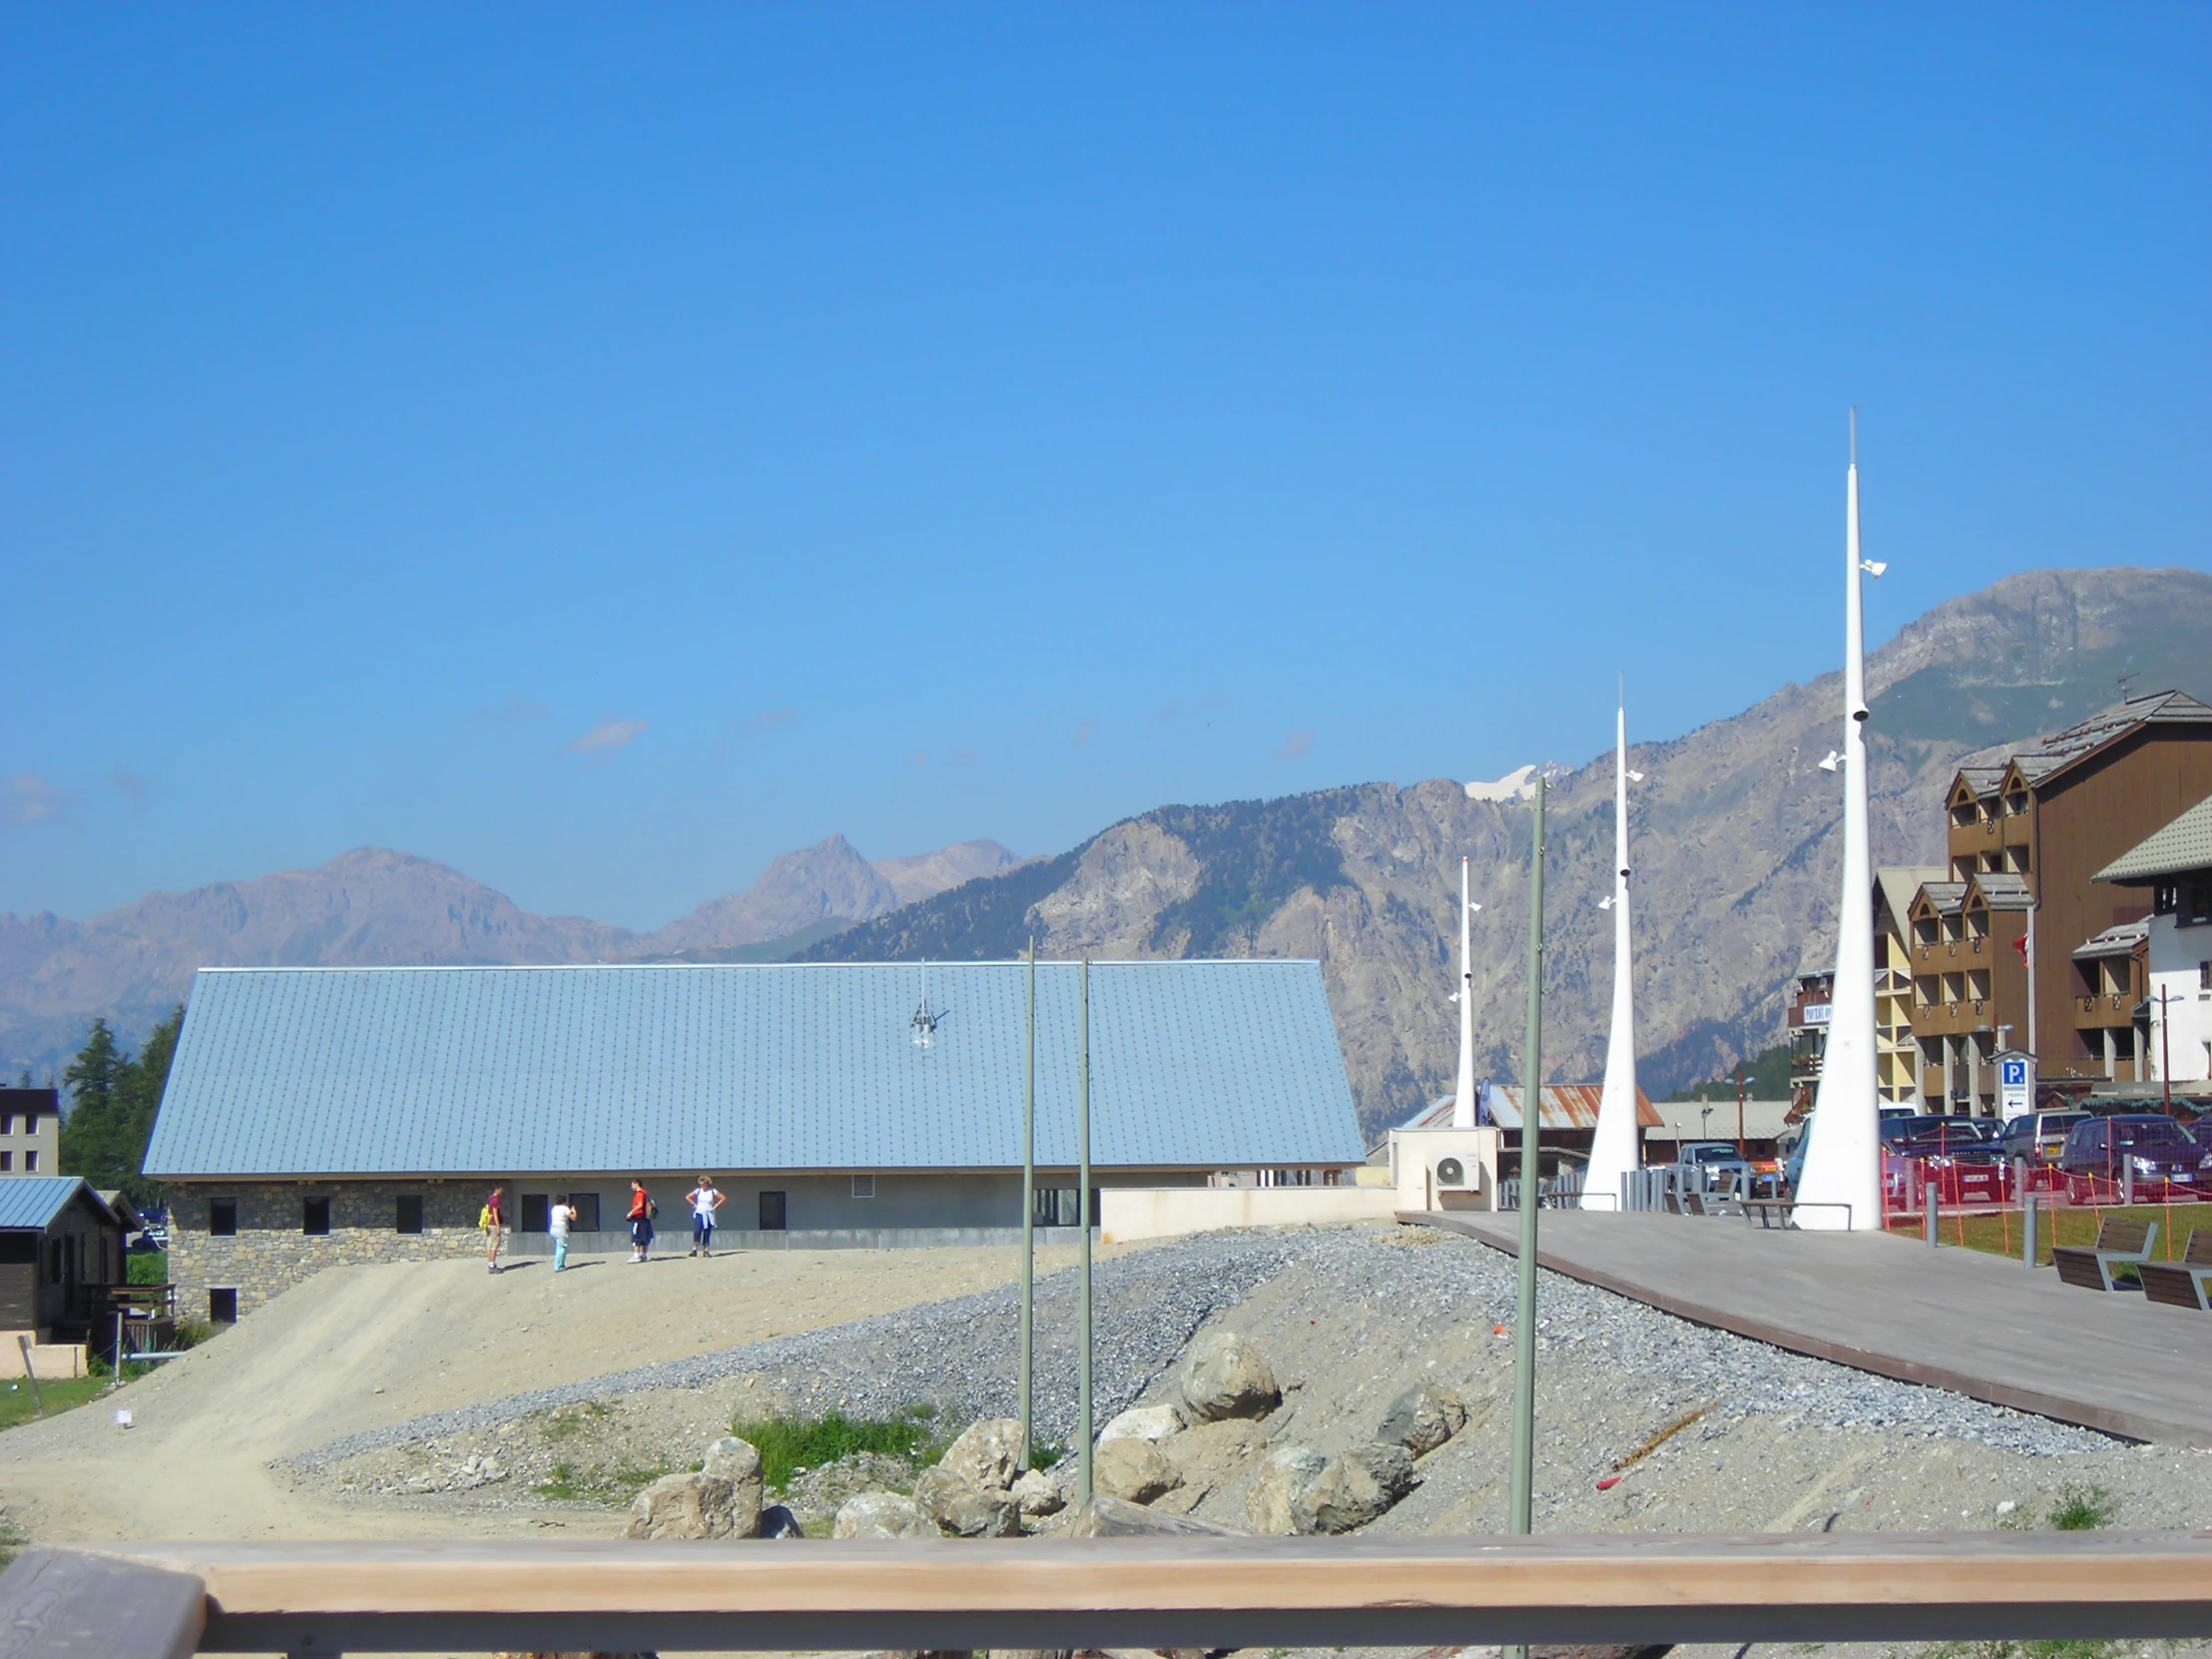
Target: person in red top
(641,1221)
(494,1223)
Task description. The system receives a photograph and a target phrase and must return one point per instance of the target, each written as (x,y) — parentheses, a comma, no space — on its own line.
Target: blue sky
(604,447)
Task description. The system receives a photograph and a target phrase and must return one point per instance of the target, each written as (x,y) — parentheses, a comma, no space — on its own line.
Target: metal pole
(1532,1074)
(1083,1216)
(2165,1056)
(1028,1196)
(1742,1151)
(2028,1230)
(1928,1201)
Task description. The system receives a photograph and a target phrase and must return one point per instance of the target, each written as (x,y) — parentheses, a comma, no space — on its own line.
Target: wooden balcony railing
(131,1600)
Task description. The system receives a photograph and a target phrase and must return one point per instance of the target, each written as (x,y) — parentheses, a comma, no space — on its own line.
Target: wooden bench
(2121,1244)
(2187,1282)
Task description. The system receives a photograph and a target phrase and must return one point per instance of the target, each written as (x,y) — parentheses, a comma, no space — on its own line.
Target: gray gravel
(960,1354)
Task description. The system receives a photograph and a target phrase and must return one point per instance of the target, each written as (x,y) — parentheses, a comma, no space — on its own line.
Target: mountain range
(1736,849)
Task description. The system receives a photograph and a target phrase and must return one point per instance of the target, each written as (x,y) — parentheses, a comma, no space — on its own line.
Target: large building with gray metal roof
(323,1115)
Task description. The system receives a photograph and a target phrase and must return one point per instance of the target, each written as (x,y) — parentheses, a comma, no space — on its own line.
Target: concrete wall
(2177,958)
(1172,1212)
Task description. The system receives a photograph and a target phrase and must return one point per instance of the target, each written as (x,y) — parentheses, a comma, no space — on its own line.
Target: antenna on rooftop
(2131,673)
(925,1021)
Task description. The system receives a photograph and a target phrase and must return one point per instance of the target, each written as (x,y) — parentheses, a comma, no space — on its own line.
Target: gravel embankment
(960,1354)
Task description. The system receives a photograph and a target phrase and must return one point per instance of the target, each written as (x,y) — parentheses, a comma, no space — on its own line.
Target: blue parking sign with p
(2015,1075)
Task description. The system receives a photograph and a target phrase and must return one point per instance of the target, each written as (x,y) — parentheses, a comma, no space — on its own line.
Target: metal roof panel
(357,1071)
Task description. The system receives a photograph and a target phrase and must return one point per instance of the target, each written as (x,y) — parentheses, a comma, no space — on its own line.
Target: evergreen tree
(114,1099)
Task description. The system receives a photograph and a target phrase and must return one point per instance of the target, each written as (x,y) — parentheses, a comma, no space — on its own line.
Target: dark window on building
(774,1214)
(222,1306)
(54,1262)
(7,1160)
(30,1163)
(223,1217)
(536,1212)
(18,1250)
(586,1206)
(1055,1206)
(409,1216)
(314,1216)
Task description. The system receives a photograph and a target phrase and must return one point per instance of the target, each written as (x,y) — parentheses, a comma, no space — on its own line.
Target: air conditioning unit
(1451,1173)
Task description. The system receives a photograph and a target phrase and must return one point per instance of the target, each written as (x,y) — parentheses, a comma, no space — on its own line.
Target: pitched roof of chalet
(2002,891)
(2038,760)
(1558,1106)
(1944,898)
(426,1071)
(1897,883)
(2120,939)
(1980,781)
(2184,844)
(31,1202)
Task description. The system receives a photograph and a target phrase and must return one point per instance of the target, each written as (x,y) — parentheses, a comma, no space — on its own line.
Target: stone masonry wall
(271,1253)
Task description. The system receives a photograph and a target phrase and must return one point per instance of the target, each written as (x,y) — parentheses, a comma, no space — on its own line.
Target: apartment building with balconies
(2018,945)
(2170,987)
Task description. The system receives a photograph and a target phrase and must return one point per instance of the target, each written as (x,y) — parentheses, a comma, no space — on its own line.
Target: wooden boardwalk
(1961,1320)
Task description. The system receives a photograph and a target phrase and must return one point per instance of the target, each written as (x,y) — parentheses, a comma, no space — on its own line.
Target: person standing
(493,1221)
(642,1209)
(706,1199)
(557,1222)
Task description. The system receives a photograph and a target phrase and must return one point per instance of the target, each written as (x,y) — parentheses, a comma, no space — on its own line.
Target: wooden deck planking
(1961,1320)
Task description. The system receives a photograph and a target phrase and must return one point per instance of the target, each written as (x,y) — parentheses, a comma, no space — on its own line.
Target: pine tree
(114,1099)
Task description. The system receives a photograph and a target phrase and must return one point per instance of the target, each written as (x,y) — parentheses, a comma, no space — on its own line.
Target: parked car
(2040,1137)
(1707,1161)
(2153,1147)
(1973,1139)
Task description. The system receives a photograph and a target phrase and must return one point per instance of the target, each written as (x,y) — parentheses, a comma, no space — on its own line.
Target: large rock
(987,1455)
(688,1507)
(1423,1417)
(1223,1375)
(964,1509)
(1145,1422)
(738,1462)
(1133,1470)
(1036,1493)
(1302,1490)
(882,1515)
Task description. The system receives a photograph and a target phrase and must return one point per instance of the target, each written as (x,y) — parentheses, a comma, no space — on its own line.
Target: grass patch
(2025,1650)
(1044,1453)
(1999,1233)
(615,1487)
(62,1395)
(789,1445)
(562,1426)
(145,1267)
(12,1541)
(2082,1508)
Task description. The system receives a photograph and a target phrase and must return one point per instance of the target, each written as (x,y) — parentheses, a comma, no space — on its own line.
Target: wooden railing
(138,1600)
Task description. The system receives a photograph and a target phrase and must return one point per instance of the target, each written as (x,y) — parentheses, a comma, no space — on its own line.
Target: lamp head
(1635,776)
(1873,567)
(1832,762)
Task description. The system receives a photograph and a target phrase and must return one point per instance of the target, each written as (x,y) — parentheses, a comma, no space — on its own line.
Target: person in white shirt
(557,1222)
(706,1199)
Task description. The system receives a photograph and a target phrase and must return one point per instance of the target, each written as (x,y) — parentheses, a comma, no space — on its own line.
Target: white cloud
(1295,745)
(26,797)
(610,736)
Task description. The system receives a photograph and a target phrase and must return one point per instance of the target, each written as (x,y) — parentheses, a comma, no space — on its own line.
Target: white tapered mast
(1840,1186)
(1613,1149)
(1463,1103)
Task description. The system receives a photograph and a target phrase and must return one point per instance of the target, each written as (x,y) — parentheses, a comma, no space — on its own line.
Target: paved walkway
(1961,1320)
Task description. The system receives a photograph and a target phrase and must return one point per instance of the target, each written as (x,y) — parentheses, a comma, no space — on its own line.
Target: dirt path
(360,1348)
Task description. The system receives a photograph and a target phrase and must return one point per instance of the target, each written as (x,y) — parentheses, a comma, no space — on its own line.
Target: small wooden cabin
(61,1248)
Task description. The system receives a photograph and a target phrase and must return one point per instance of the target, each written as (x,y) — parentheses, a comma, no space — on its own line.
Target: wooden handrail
(1184,1592)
